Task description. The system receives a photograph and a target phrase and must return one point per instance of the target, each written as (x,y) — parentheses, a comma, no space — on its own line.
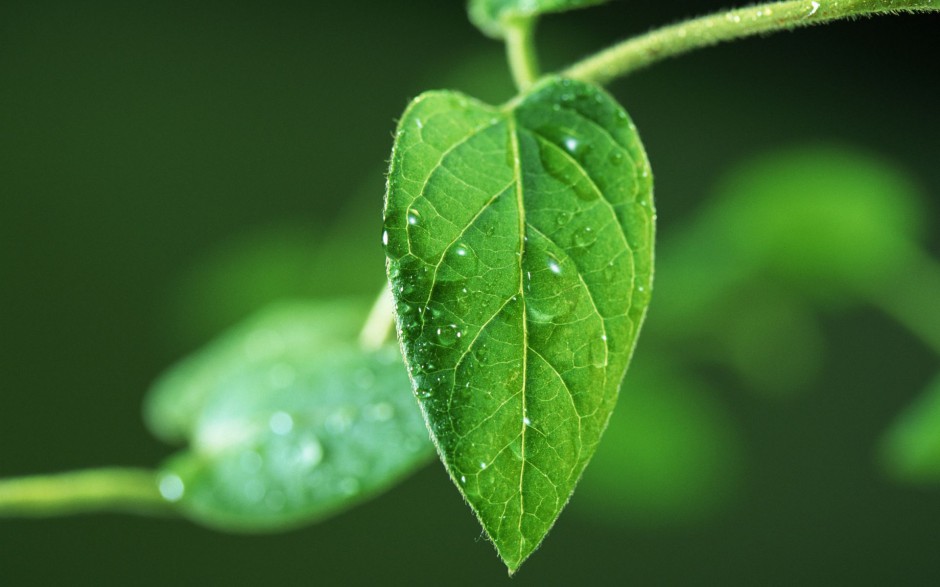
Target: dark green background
(135,137)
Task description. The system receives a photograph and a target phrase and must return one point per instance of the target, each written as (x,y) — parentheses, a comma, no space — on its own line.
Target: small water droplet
(517,448)
(598,353)
(281,423)
(571,144)
(385,238)
(481,354)
(171,487)
(448,335)
(414,217)
(311,451)
(462,259)
(610,272)
(553,265)
(526,421)
(584,237)
(463,479)
(563,218)
(585,190)
(616,157)
(482,465)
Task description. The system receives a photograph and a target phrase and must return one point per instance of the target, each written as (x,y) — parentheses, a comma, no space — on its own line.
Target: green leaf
(520,245)
(822,218)
(288,420)
(491,16)
(911,448)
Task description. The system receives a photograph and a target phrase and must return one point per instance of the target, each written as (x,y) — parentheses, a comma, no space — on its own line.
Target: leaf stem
(639,52)
(93,490)
(379,325)
(520,51)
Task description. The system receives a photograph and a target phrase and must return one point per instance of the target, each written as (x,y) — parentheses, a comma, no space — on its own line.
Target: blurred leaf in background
(821,219)
(788,233)
(671,453)
(288,420)
(910,450)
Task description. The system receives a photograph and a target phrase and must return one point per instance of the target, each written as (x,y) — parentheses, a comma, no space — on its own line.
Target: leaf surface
(288,420)
(520,247)
(490,16)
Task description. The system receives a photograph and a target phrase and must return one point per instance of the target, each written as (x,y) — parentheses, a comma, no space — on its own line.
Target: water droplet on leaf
(281,423)
(584,237)
(171,487)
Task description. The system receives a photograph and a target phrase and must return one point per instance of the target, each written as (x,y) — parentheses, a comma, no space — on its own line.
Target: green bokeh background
(144,146)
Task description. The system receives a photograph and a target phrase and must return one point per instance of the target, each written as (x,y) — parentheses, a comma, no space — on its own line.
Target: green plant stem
(912,297)
(639,52)
(94,490)
(520,51)
(380,323)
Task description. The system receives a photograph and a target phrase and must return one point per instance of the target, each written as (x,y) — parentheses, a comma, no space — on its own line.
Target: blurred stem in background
(520,51)
(95,490)
(380,323)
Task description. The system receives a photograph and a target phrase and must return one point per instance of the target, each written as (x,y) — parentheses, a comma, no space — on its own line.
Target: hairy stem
(639,52)
(520,51)
(379,325)
(94,490)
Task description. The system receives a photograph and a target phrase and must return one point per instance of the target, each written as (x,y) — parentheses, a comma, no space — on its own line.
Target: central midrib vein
(520,203)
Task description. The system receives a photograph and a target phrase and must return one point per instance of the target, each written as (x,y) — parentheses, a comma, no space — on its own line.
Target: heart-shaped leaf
(490,16)
(520,246)
(288,420)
